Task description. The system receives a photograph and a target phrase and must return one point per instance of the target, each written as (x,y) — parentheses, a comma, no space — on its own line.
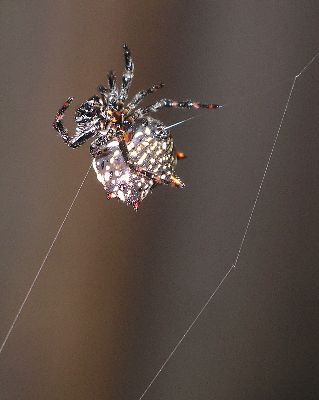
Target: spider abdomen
(147,160)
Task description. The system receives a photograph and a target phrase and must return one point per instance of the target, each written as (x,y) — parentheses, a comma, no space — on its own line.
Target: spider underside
(132,152)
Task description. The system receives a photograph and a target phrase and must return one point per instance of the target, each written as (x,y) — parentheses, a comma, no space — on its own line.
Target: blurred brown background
(119,288)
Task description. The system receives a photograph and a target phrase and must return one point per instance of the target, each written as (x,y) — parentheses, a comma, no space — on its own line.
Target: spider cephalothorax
(132,152)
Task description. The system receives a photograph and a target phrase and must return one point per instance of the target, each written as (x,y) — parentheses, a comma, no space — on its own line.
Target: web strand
(264,174)
(209,300)
(243,240)
(43,263)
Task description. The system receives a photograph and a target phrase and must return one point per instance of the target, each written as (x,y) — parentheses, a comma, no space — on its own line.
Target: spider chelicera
(132,152)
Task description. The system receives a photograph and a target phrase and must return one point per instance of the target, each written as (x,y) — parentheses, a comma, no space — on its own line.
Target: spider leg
(122,145)
(172,104)
(78,138)
(104,94)
(140,96)
(170,180)
(110,95)
(128,74)
(111,80)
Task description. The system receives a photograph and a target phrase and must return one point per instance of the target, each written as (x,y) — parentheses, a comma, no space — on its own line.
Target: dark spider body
(132,152)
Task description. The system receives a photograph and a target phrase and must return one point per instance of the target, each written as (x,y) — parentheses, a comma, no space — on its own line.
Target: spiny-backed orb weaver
(132,152)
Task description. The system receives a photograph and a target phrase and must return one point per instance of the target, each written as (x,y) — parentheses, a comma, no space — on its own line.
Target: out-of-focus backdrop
(119,289)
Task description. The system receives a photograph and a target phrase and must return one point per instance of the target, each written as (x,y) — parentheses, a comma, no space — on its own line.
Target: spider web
(243,241)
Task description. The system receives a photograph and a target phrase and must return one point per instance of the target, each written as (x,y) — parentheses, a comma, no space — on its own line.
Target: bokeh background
(119,288)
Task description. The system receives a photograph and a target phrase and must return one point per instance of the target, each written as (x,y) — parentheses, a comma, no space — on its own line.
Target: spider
(132,152)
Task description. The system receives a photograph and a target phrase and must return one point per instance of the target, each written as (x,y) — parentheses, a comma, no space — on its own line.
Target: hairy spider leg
(122,145)
(72,141)
(113,94)
(128,74)
(58,121)
(140,96)
(104,94)
(172,104)
(111,77)
(110,96)
(171,181)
